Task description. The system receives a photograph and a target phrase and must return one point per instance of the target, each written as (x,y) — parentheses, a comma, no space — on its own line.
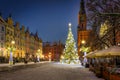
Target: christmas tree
(70,55)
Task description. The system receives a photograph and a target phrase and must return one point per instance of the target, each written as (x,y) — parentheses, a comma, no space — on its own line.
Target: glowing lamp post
(38,55)
(62,59)
(49,56)
(83,42)
(11,53)
(42,56)
(84,50)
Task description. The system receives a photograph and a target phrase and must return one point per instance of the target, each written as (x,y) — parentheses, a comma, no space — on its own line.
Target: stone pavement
(51,71)
(7,66)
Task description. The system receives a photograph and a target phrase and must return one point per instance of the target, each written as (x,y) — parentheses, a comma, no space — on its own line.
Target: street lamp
(84,50)
(38,55)
(49,56)
(83,42)
(11,53)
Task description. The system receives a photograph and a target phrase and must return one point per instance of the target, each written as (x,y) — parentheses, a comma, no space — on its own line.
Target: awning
(112,51)
(90,55)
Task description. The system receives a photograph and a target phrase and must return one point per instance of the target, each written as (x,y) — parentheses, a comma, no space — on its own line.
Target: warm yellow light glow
(119,44)
(42,56)
(103,28)
(80,49)
(38,50)
(49,53)
(62,57)
(13,42)
(83,42)
(49,56)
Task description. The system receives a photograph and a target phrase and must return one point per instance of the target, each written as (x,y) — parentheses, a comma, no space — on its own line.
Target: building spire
(82,7)
(82,19)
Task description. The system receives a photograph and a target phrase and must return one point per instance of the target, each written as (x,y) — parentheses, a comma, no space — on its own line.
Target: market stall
(106,63)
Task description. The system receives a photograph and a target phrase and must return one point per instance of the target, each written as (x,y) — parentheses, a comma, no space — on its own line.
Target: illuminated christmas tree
(70,55)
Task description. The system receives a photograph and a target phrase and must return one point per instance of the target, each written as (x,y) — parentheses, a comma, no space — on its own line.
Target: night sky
(49,17)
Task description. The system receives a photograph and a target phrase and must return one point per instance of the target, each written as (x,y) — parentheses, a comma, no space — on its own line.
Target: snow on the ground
(51,71)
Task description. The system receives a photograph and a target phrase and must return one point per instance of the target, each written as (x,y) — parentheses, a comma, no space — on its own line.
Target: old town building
(27,41)
(57,50)
(26,44)
(82,32)
(22,41)
(40,49)
(52,50)
(38,46)
(36,43)
(2,36)
(17,40)
(33,45)
(46,50)
(9,35)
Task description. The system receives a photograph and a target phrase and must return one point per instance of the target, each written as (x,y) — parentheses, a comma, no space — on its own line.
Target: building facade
(17,37)
(26,44)
(53,50)
(57,50)
(22,41)
(9,35)
(82,32)
(47,49)
(2,36)
(27,41)
(33,45)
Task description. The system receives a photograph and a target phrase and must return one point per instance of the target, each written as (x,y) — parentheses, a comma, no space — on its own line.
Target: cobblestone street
(50,71)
